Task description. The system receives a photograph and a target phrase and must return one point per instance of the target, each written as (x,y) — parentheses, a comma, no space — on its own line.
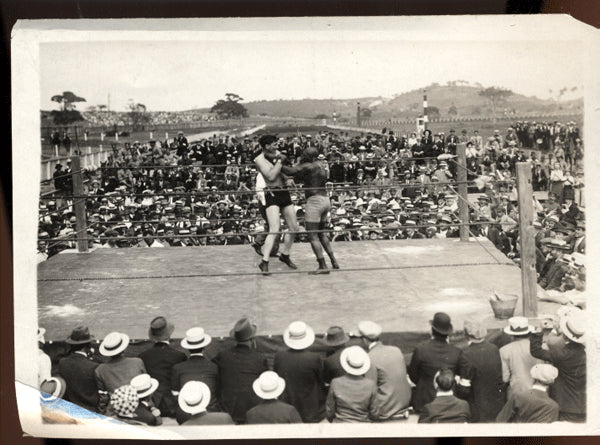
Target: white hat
(144,385)
(268,385)
(573,326)
(194,397)
(195,338)
(518,326)
(544,373)
(113,344)
(369,329)
(355,360)
(298,335)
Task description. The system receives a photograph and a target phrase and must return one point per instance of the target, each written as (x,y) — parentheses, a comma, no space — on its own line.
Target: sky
(174,76)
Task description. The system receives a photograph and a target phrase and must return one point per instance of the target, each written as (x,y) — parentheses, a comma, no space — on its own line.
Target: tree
(67,114)
(230,107)
(366,113)
(433,112)
(495,96)
(452,111)
(137,115)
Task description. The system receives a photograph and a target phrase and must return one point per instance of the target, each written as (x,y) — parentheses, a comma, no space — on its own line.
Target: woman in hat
(117,371)
(352,397)
(269,386)
(557,181)
(569,389)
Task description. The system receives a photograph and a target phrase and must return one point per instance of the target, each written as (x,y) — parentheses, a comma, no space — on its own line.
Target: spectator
(388,371)
(481,375)
(337,339)
(269,386)
(429,357)
(352,397)
(146,412)
(569,389)
(239,367)
(159,361)
(532,405)
(516,359)
(302,371)
(193,399)
(445,408)
(196,368)
(77,369)
(117,371)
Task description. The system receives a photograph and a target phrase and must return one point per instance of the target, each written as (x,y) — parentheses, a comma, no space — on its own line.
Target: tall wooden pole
(527,236)
(79,205)
(461,177)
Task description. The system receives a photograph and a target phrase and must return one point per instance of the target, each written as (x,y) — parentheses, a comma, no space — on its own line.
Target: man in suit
(532,405)
(193,399)
(159,361)
(269,386)
(388,371)
(239,367)
(569,357)
(516,358)
(577,243)
(337,339)
(302,371)
(196,368)
(481,375)
(77,369)
(431,356)
(445,408)
(117,371)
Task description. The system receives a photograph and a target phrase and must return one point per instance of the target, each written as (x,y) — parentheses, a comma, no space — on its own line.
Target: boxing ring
(398,283)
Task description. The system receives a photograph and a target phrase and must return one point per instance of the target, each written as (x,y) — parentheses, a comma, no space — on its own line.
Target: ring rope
(285,272)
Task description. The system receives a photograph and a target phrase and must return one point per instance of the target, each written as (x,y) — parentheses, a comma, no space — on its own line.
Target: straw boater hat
(518,326)
(355,360)
(336,336)
(573,326)
(268,385)
(194,397)
(79,336)
(369,330)
(544,373)
(195,338)
(52,388)
(298,335)
(113,344)
(144,385)
(160,329)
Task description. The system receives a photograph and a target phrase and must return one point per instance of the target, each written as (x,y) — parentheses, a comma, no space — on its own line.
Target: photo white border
(29,34)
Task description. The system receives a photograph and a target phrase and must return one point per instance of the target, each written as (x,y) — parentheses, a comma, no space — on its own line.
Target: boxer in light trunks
(277,201)
(314,176)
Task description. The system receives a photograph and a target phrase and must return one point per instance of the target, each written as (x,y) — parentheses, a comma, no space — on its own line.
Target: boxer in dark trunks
(277,201)
(314,176)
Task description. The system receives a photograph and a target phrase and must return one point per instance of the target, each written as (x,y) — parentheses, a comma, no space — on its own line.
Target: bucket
(505,306)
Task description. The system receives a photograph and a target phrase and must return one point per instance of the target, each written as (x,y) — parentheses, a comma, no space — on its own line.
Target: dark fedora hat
(160,329)
(79,336)
(441,323)
(243,330)
(336,336)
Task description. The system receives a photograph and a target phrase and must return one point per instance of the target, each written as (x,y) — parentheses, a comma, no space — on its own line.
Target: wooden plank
(461,177)
(527,236)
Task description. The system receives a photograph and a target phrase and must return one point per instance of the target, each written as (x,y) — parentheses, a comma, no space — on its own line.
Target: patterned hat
(124,400)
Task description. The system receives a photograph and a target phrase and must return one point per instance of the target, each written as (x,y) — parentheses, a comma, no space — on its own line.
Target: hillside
(465,98)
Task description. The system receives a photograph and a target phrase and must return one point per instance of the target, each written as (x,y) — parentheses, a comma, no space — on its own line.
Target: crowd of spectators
(109,119)
(523,374)
(382,186)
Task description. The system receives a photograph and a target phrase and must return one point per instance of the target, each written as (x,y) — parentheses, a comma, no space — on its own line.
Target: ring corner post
(527,239)
(79,205)
(461,178)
